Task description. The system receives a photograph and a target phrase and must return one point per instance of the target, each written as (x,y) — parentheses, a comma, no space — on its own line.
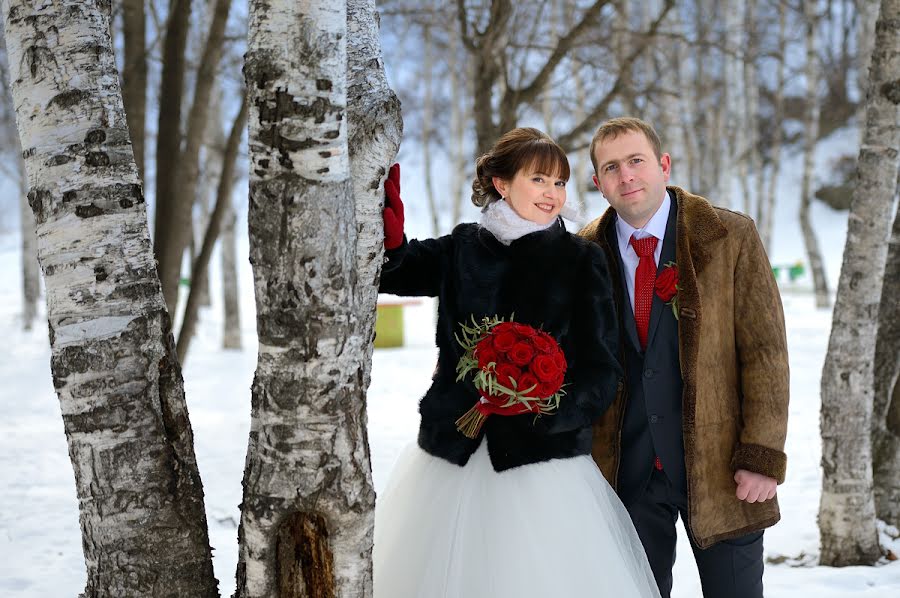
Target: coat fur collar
(697,223)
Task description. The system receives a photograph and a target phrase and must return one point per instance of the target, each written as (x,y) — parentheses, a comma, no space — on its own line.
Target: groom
(699,428)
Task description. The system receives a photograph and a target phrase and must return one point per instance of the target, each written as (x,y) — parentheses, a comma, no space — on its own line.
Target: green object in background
(388,325)
(794,272)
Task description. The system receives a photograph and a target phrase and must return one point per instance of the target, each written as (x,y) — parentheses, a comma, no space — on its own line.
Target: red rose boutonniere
(667,286)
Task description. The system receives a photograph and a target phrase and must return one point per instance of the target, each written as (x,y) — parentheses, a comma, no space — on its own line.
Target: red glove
(393,210)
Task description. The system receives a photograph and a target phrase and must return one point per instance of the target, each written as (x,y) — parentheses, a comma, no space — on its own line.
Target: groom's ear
(665,162)
(596,183)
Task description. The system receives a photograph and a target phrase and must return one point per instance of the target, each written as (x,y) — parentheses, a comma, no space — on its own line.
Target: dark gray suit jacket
(652,419)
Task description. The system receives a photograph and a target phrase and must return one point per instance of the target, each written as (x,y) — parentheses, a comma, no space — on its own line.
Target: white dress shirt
(655,227)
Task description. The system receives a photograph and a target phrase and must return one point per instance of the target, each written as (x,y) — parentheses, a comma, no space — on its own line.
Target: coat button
(649,373)
(654,419)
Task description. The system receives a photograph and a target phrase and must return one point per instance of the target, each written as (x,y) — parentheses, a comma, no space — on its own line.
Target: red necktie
(644,280)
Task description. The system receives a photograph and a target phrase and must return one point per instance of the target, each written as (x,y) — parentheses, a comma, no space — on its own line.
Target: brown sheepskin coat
(734,364)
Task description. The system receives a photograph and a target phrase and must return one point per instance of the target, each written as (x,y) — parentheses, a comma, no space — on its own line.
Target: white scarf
(503,222)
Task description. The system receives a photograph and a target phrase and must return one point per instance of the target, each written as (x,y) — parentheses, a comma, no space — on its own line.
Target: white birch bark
(847,507)
(375,128)
(810,136)
(867,14)
(306,524)
(113,365)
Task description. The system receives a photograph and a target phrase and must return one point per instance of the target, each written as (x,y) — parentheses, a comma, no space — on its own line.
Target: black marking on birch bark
(137,193)
(323,85)
(69,196)
(59,160)
(39,199)
(36,57)
(285,105)
(97,159)
(100,273)
(95,136)
(28,153)
(88,211)
(891,91)
(271,137)
(68,98)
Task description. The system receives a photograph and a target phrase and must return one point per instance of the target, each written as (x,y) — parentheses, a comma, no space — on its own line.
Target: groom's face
(631,177)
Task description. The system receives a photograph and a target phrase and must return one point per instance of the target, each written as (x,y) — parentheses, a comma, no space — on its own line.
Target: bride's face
(535,196)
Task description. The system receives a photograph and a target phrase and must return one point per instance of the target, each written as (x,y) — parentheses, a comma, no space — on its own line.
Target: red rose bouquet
(518,369)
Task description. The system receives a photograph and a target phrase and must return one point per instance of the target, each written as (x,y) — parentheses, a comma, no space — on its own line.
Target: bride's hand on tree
(393,210)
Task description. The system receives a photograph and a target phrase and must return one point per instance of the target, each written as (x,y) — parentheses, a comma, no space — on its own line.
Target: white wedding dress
(554,529)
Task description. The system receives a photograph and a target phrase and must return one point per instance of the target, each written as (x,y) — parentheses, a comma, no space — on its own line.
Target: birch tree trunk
(231,332)
(200,266)
(307,518)
(168,149)
(113,363)
(751,107)
(735,127)
(427,124)
(460,92)
(885,441)
(621,42)
(708,137)
(374,131)
(867,14)
(188,165)
(216,150)
(31,278)
(766,213)
(810,136)
(847,507)
(134,76)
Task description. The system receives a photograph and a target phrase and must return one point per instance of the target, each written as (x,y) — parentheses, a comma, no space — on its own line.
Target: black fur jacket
(549,279)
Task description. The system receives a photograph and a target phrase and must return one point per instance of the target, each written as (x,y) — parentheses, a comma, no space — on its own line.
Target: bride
(511,505)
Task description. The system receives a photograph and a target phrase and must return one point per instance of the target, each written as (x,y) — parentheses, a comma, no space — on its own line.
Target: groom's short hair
(617,126)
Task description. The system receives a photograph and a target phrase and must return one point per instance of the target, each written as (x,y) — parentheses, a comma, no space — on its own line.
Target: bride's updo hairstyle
(520,148)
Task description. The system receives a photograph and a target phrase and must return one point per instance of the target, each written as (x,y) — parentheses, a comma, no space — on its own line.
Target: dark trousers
(729,569)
